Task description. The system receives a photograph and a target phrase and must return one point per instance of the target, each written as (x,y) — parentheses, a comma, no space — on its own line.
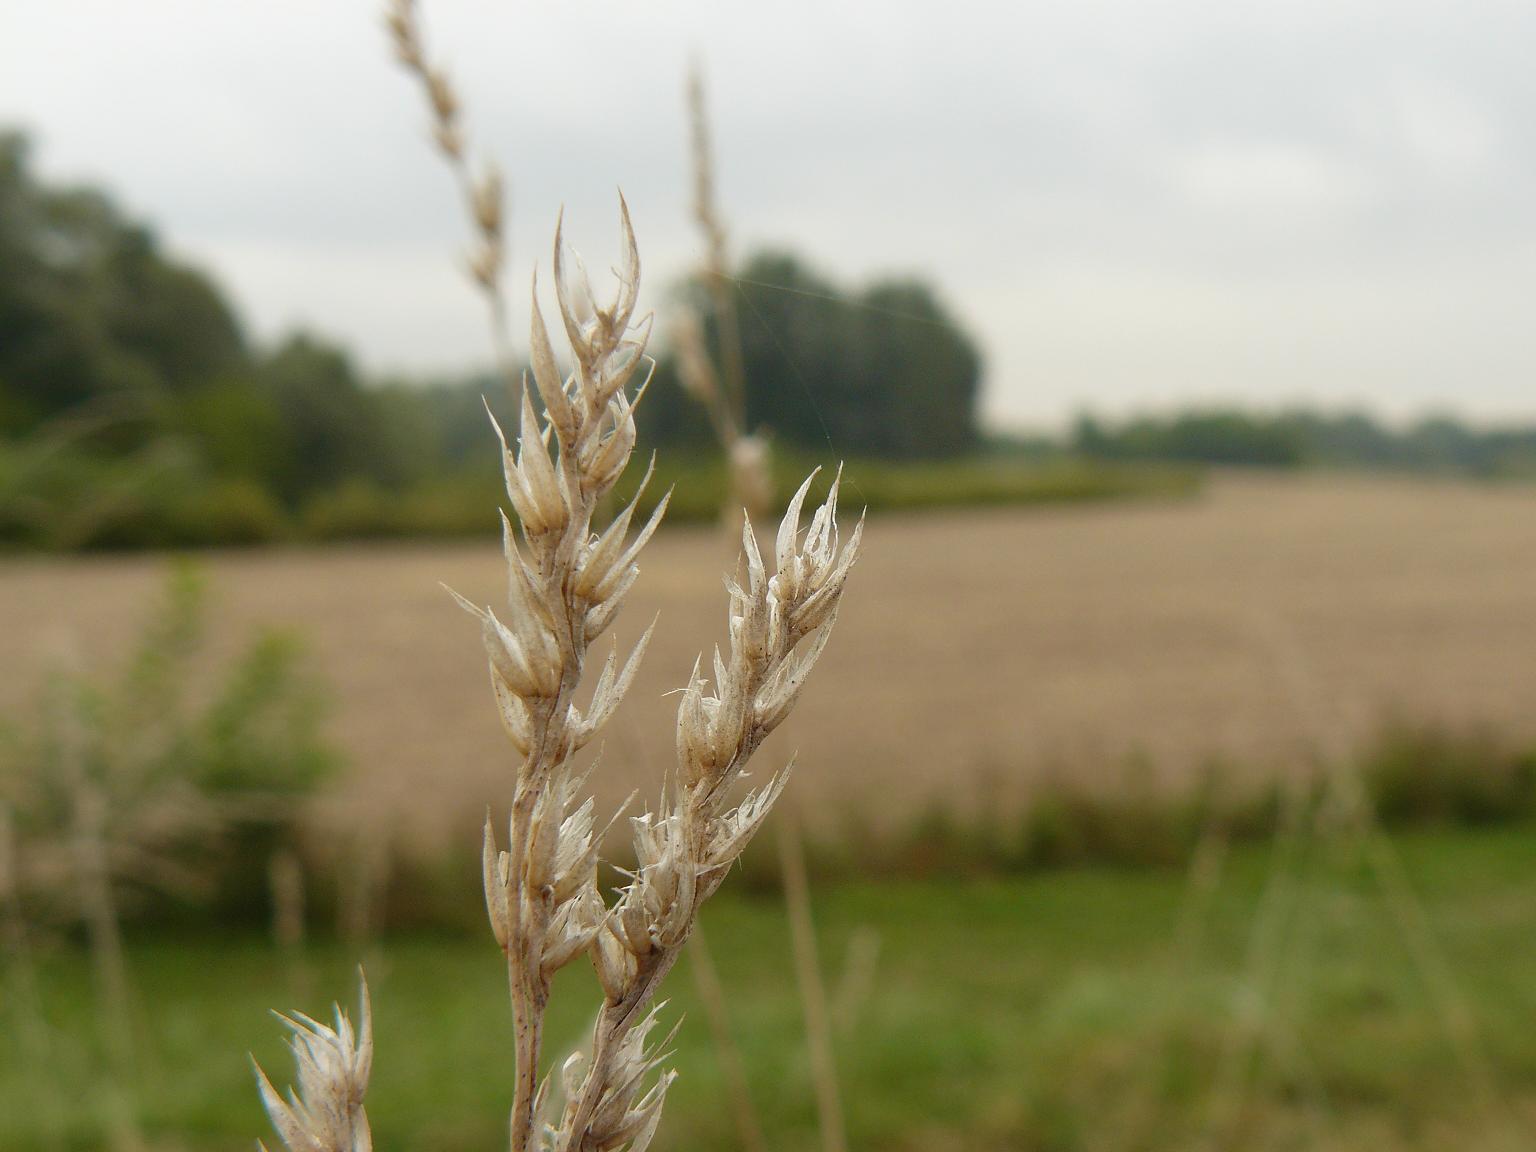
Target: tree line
(1300,438)
(136,409)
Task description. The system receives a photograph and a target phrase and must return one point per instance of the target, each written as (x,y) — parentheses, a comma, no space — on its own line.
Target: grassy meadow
(1089,1009)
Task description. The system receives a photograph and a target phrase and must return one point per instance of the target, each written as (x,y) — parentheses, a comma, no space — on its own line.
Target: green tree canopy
(91,309)
(331,428)
(885,371)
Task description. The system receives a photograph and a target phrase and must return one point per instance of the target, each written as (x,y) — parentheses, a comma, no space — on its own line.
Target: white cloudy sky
(1133,203)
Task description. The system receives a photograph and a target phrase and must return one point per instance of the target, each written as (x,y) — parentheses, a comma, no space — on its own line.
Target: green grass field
(1064,1010)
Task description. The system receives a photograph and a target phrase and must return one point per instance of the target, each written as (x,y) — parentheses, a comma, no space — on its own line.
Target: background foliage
(200,769)
(136,412)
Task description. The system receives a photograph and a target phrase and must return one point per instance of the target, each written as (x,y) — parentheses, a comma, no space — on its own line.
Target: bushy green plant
(355,510)
(1425,776)
(58,495)
(188,512)
(192,769)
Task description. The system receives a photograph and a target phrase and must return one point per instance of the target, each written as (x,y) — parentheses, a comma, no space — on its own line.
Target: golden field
(978,652)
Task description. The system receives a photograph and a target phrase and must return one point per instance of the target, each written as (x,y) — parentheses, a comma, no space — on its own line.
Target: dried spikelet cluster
(566,582)
(717,263)
(684,850)
(696,372)
(325,1112)
(722,392)
(485,194)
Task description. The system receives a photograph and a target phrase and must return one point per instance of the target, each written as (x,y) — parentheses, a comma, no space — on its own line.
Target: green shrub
(231,512)
(190,515)
(159,498)
(197,771)
(1414,778)
(1425,776)
(357,510)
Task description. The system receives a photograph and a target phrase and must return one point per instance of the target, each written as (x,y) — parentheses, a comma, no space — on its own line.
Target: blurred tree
(439,427)
(332,430)
(669,415)
(926,369)
(91,308)
(238,428)
(1436,444)
(172,317)
(800,370)
(884,372)
(1215,436)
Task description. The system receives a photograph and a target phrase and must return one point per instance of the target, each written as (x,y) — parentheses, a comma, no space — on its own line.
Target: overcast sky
(1132,203)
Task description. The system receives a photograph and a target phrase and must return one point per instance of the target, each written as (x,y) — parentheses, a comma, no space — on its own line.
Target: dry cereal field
(978,651)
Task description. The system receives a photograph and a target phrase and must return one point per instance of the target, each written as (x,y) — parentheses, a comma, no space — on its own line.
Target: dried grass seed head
(755,688)
(626,1112)
(323,1112)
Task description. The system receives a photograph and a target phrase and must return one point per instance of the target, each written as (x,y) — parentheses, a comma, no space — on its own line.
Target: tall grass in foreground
(566,583)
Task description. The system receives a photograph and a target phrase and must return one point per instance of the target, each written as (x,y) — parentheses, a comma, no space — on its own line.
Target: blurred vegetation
(1058,1012)
(885,372)
(1436,445)
(135,412)
(459,506)
(1411,778)
(183,775)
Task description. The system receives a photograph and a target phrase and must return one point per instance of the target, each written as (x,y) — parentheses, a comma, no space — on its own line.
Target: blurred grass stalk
(285,876)
(29,1024)
(1353,805)
(722,392)
(813,993)
(706,978)
(92,883)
